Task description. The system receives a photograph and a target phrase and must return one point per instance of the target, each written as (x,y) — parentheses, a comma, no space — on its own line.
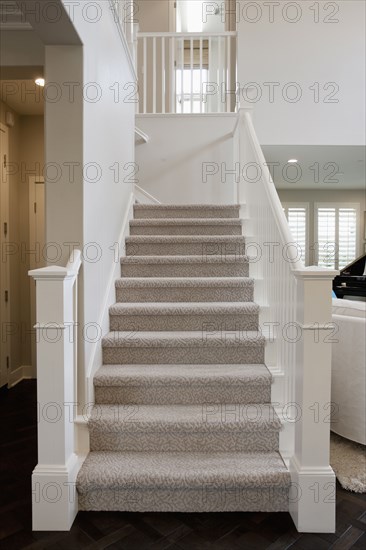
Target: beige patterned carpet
(348,460)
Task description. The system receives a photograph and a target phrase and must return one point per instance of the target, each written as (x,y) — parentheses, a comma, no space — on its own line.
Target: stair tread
(142,470)
(197,259)
(181,418)
(141,282)
(182,338)
(185,221)
(184,308)
(175,239)
(198,206)
(164,375)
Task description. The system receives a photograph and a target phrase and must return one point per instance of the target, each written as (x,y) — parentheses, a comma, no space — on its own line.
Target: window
(336,234)
(297,217)
(191,74)
(190,98)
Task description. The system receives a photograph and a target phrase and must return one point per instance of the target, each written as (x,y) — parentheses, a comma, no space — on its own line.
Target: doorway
(4,265)
(37,243)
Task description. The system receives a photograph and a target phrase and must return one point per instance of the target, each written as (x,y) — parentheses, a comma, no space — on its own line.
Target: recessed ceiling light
(292,161)
(40,81)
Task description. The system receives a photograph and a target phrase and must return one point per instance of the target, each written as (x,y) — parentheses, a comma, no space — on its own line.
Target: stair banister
(150,199)
(55,503)
(169,52)
(298,304)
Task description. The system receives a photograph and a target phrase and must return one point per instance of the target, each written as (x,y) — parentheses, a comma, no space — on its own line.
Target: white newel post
(312,499)
(54,498)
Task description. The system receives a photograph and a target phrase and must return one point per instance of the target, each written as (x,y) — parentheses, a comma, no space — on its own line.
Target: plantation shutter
(347,236)
(337,236)
(297,220)
(326,237)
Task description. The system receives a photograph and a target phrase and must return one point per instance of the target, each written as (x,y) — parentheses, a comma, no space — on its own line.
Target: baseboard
(21,373)
(312,497)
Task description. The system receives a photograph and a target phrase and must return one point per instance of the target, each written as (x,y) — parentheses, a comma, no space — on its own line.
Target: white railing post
(312,498)
(55,505)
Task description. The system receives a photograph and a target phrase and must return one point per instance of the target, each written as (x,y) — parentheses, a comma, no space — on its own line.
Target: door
(4,263)
(36,243)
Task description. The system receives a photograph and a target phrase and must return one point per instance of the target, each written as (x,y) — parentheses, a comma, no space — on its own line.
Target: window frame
(306,205)
(337,206)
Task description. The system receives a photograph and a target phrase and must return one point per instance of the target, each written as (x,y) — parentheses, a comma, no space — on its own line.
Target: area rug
(348,460)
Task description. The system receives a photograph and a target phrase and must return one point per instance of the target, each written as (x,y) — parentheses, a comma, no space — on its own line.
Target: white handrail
(142,135)
(146,194)
(196,35)
(274,200)
(123,15)
(299,318)
(74,263)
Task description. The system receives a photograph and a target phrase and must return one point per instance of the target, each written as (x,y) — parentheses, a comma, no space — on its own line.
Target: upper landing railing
(184,73)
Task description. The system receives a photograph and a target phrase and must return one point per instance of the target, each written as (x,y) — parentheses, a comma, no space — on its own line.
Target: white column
(54,495)
(312,499)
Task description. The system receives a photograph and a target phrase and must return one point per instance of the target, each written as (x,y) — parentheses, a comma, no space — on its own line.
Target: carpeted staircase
(182,418)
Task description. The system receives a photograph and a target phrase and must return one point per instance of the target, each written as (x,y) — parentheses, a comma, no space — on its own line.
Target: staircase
(183,418)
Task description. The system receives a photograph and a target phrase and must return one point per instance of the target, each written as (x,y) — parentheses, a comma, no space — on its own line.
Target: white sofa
(349,370)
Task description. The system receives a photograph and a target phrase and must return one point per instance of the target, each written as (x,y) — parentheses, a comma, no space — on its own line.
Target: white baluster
(163,74)
(154,74)
(144,72)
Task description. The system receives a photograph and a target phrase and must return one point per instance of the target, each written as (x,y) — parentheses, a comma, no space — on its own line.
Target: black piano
(352,279)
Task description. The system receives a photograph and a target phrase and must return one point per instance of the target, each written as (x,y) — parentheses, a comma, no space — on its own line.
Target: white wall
(171,165)
(96,131)
(305,52)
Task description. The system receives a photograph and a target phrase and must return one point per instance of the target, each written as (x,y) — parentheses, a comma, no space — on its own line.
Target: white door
(37,243)
(4,263)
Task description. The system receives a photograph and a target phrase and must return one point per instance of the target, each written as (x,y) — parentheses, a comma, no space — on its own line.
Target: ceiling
(11,17)
(24,96)
(319,166)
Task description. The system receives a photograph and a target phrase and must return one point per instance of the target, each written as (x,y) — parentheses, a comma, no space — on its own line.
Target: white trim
(312,491)
(305,205)
(19,374)
(32,182)
(56,515)
(145,194)
(185,35)
(185,115)
(337,206)
(142,135)
(123,38)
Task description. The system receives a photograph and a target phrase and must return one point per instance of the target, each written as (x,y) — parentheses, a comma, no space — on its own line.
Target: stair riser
(180,355)
(182,394)
(185,230)
(184,294)
(185,249)
(207,498)
(154,213)
(204,269)
(264,440)
(212,322)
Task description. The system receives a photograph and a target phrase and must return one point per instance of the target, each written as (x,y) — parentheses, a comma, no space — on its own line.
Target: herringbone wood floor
(127,531)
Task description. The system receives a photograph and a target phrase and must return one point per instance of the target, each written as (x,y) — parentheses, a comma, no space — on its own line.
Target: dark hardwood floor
(127,531)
